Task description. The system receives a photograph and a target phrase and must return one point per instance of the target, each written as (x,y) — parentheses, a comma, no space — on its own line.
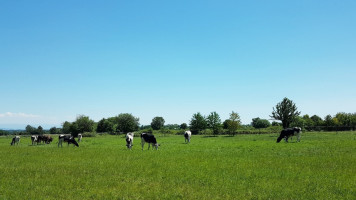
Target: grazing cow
(129,140)
(150,139)
(47,139)
(80,136)
(40,138)
(34,139)
(286,133)
(187,135)
(16,140)
(67,138)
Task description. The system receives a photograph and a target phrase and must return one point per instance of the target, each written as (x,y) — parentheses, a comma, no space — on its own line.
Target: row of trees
(285,114)
(213,122)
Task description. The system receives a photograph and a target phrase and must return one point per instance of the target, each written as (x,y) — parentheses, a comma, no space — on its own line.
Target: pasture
(321,166)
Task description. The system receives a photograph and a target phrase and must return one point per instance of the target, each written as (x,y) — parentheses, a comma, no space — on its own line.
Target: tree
(274,123)
(233,123)
(307,121)
(214,122)
(317,120)
(30,130)
(53,130)
(225,124)
(40,130)
(126,122)
(328,120)
(183,126)
(157,123)
(260,123)
(66,127)
(285,111)
(197,123)
(84,125)
(105,126)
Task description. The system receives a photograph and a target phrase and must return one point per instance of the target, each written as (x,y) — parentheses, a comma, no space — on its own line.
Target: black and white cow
(15,140)
(187,135)
(129,140)
(150,139)
(67,138)
(286,133)
(34,139)
(80,136)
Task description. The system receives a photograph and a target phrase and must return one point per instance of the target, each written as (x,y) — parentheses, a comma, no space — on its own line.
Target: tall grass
(321,166)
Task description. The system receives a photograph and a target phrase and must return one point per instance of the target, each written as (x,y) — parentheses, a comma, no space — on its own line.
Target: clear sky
(60,59)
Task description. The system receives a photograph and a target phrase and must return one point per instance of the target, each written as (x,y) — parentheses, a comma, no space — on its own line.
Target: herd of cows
(145,138)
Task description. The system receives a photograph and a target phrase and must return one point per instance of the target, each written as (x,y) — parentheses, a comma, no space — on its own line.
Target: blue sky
(60,59)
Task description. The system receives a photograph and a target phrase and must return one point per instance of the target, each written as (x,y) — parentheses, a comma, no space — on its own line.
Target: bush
(89,134)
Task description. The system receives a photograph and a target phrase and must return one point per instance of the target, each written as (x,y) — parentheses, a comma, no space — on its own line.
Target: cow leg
(298,137)
(142,143)
(149,145)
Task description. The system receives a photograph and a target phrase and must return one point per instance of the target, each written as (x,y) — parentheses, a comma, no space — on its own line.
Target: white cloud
(18,115)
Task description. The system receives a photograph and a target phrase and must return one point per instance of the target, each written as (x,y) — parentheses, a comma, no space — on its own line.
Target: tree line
(285,114)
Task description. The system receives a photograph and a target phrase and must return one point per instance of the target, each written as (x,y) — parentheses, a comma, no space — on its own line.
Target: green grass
(321,166)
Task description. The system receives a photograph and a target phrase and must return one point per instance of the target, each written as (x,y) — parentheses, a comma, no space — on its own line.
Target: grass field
(321,166)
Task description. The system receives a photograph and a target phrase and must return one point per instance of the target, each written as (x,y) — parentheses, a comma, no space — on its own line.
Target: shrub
(89,134)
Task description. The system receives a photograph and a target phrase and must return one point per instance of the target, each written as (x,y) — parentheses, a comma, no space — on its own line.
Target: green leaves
(285,111)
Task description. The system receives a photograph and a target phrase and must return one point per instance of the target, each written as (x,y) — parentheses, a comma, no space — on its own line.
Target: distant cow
(67,138)
(80,136)
(129,140)
(47,139)
(286,133)
(34,139)
(150,139)
(15,140)
(187,135)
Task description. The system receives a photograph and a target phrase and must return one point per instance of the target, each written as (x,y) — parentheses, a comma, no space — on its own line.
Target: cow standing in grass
(187,135)
(15,140)
(34,139)
(67,138)
(80,136)
(289,132)
(129,140)
(150,139)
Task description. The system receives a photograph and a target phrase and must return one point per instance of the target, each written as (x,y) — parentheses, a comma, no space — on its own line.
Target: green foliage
(197,123)
(126,122)
(317,121)
(105,126)
(260,123)
(30,130)
(66,127)
(214,122)
(157,123)
(84,124)
(54,130)
(233,123)
(285,111)
(183,126)
(89,134)
(328,120)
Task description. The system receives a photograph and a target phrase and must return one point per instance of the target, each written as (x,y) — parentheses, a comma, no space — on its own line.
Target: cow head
(297,129)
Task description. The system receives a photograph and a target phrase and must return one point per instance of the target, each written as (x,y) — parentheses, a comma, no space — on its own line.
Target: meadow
(321,166)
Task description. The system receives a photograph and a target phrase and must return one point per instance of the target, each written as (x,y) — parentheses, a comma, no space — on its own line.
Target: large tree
(183,126)
(105,126)
(84,125)
(214,122)
(157,123)
(285,111)
(197,123)
(260,123)
(233,122)
(126,122)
